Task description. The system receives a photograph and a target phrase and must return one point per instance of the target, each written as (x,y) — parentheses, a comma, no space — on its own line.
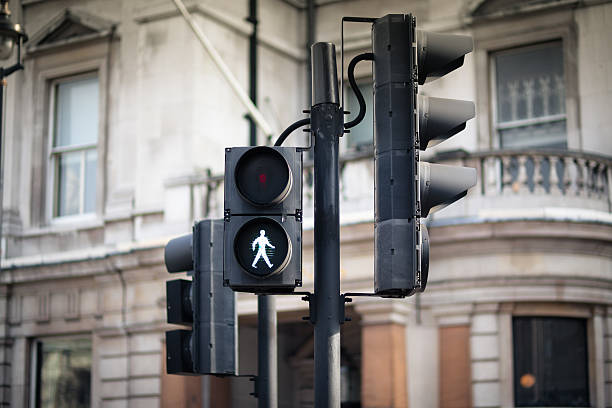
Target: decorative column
(486,356)
(608,356)
(598,357)
(5,349)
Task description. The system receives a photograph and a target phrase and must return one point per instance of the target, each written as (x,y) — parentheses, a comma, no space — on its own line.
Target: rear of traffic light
(263,219)
(203,303)
(405,123)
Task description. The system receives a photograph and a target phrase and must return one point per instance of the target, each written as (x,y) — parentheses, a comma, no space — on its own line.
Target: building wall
(504,251)
(593,56)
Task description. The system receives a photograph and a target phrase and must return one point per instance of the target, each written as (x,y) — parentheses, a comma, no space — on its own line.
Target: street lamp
(10,35)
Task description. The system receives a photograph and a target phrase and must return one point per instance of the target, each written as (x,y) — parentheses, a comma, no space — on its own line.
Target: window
(62,373)
(362,134)
(74,145)
(550,362)
(530,96)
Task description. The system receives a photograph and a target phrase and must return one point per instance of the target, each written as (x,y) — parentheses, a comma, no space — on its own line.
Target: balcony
(534,184)
(512,184)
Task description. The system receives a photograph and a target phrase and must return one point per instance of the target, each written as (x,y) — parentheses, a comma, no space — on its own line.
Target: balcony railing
(558,173)
(542,178)
(508,180)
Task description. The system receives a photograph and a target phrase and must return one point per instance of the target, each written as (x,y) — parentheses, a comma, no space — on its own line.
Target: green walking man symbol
(261,242)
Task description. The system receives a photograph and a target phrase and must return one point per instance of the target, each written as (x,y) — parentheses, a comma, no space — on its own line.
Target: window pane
(530,82)
(362,134)
(69,182)
(76,112)
(550,362)
(530,86)
(91,166)
(65,373)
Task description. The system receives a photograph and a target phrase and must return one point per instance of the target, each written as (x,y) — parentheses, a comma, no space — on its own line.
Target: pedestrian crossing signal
(262,247)
(263,219)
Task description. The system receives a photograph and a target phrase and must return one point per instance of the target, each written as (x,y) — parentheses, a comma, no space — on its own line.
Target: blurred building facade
(113,144)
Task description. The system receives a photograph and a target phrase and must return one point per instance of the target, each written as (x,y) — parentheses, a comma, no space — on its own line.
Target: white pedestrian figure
(261,241)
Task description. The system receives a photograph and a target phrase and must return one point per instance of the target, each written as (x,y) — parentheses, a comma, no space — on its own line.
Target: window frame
(50,78)
(497,36)
(55,152)
(496,125)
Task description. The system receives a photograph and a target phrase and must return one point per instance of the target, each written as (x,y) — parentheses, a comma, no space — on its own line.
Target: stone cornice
(90,264)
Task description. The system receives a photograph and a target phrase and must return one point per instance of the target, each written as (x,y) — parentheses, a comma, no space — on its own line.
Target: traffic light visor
(441,118)
(178,254)
(263,176)
(442,185)
(439,54)
(178,352)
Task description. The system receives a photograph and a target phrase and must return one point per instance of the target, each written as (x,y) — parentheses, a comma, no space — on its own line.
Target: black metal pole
(252,18)
(267,366)
(2,83)
(327,127)
(310,29)
(267,360)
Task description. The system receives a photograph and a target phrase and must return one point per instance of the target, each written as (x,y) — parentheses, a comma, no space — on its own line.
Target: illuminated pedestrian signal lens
(262,247)
(263,176)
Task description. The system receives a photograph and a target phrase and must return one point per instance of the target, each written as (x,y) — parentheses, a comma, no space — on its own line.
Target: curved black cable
(291,128)
(368,56)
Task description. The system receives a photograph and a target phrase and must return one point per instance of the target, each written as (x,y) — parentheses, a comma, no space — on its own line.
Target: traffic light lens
(263,176)
(262,247)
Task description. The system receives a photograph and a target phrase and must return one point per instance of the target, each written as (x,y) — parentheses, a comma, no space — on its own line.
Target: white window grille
(529,88)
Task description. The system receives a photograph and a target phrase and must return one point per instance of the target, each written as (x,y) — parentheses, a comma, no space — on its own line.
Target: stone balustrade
(508,180)
(537,179)
(541,172)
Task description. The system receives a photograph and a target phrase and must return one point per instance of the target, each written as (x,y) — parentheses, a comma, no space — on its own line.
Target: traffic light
(263,219)
(203,303)
(405,122)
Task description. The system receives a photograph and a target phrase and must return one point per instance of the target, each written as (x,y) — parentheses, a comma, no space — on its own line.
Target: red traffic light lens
(263,176)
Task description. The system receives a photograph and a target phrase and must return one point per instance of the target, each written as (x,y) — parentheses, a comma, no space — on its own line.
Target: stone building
(113,144)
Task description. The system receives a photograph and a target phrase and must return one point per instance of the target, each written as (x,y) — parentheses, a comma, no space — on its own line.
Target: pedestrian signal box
(263,219)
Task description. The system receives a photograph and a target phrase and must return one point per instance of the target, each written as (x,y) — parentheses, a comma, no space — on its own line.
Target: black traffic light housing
(203,303)
(263,219)
(263,180)
(405,122)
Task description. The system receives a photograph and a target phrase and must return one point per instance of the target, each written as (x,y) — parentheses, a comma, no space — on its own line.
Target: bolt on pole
(327,125)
